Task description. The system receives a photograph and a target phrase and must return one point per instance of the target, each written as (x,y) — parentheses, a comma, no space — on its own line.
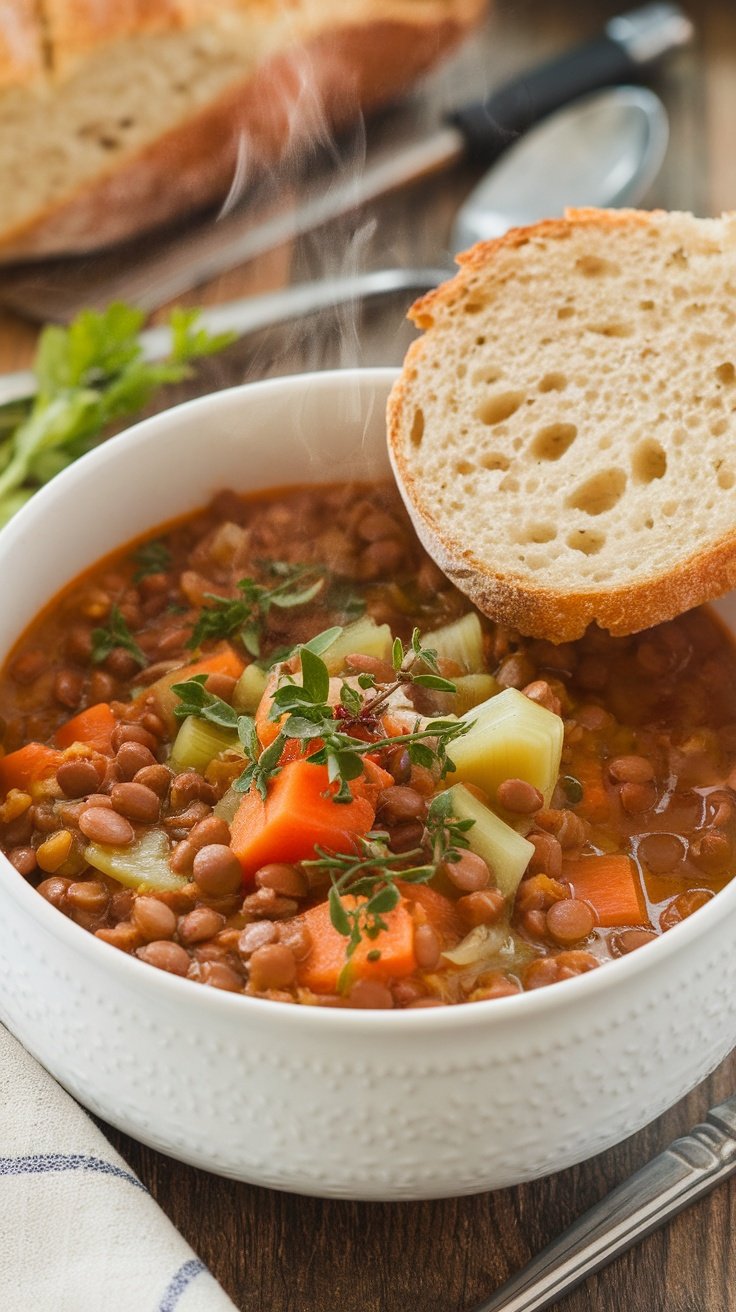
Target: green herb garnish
(90,375)
(151,558)
(446,833)
(370,875)
(115,634)
(244,616)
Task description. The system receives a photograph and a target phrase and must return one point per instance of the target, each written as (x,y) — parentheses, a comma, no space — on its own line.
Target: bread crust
(535,610)
(21,50)
(357,67)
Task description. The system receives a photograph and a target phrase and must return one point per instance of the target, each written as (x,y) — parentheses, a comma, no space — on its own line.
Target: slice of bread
(118,115)
(564,432)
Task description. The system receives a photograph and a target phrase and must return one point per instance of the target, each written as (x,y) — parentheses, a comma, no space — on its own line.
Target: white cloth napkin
(78,1230)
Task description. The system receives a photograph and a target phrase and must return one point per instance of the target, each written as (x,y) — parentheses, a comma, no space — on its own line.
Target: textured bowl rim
(136,974)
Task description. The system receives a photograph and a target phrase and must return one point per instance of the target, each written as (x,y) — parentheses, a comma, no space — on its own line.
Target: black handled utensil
(157,270)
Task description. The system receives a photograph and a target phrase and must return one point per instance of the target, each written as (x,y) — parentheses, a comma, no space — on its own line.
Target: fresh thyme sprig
(446,834)
(115,634)
(244,616)
(371,876)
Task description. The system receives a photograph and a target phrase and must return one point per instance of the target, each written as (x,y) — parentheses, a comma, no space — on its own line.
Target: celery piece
(198,742)
(143,864)
(472,689)
(461,641)
(249,689)
(510,737)
(507,853)
(227,806)
(364,636)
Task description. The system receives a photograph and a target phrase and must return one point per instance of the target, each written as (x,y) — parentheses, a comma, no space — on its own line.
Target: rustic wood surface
(280,1253)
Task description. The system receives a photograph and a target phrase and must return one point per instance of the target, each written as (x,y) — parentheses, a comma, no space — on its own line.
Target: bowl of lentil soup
(472,905)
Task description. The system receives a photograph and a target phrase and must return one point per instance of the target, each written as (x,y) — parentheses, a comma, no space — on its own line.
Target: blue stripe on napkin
(184,1277)
(46,1163)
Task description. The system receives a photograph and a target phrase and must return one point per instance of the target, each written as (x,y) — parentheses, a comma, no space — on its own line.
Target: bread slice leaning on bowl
(564,432)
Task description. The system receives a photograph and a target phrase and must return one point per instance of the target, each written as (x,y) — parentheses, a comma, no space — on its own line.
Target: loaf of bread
(564,432)
(118,115)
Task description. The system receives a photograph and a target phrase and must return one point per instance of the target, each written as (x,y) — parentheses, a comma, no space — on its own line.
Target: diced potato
(507,853)
(144,864)
(461,641)
(249,689)
(364,636)
(472,689)
(198,742)
(510,737)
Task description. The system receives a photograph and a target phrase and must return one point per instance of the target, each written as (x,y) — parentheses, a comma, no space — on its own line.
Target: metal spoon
(603,150)
(689,1168)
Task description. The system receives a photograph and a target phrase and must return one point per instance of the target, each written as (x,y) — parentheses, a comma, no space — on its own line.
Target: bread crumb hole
(509,484)
(725,373)
(565,312)
(719,427)
(649,461)
(669,508)
(495,460)
(417,428)
(726,478)
(615,329)
(500,407)
(594,266)
(553,441)
(598,493)
(464,467)
(473,307)
(553,383)
(538,533)
(586,541)
(461,370)
(646,305)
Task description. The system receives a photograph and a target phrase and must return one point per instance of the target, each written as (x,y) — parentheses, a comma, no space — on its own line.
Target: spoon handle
(689,1168)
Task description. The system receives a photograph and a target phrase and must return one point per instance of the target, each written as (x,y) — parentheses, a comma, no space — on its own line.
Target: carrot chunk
(28,766)
(222,660)
(92,726)
(441,913)
(595,804)
(321,968)
(611,885)
(295,818)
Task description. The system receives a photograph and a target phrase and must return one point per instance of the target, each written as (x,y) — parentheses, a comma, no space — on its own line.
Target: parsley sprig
(151,558)
(115,634)
(89,375)
(245,616)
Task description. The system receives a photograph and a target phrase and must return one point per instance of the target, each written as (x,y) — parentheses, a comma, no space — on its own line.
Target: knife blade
(163,270)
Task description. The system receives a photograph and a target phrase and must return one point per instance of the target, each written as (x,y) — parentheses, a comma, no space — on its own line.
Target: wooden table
(279,1253)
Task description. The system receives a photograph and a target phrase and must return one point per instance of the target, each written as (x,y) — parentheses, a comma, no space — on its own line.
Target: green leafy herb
(196,700)
(244,616)
(89,375)
(572,788)
(151,558)
(115,634)
(446,833)
(369,876)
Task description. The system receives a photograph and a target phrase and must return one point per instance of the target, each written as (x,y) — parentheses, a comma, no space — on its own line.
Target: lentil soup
(273,750)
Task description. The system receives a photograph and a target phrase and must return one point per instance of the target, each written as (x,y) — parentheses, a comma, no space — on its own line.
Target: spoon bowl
(604,150)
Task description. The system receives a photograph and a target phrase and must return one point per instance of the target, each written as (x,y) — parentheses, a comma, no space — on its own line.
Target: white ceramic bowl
(340,1103)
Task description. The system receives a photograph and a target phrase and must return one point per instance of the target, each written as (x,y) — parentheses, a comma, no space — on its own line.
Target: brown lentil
(78,777)
(154,919)
(283,879)
(200,924)
(272,966)
(216,869)
(469,873)
(482,908)
(519,796)
(165,956)
(103,825)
